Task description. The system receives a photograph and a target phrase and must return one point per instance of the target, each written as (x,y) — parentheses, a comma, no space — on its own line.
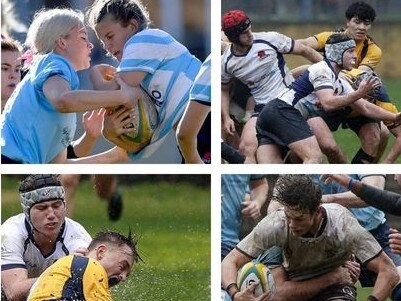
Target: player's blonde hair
(49,25)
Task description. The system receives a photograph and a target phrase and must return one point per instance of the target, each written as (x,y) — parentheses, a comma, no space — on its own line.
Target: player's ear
(100,251)
(133,24)
(61,43)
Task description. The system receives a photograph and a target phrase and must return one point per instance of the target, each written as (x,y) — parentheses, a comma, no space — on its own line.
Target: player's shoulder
(15,224)
(269,36)
(75,229)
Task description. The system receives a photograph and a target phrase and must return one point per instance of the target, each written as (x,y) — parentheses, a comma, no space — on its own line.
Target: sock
(362,158)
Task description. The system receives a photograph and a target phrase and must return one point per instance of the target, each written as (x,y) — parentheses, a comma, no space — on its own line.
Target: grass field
(173,222)
(349,142)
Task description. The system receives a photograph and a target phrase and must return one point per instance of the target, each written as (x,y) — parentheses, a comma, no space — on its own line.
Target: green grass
(348,140)
(173,222)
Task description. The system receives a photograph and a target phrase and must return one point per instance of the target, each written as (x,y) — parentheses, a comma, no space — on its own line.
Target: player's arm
(310,42)
(349,199)
(287,290)
(387,276)
(114,155)
(58,91)
(375,196)
(16,284)
(307,52)
(188,129)
(259,189)
(373,111)
(330,102)
(228,123)
(229,268)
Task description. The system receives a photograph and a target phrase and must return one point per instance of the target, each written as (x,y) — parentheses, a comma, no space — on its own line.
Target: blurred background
(187,21)
(170,214)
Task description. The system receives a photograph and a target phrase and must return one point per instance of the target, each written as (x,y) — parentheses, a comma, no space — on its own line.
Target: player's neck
(44,242)
(239,49)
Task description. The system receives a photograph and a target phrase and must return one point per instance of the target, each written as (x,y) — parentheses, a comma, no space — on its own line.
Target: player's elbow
(62,104)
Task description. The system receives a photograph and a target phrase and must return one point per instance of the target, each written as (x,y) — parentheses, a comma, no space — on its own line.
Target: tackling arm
(16,284)
(307,52)
(188,129)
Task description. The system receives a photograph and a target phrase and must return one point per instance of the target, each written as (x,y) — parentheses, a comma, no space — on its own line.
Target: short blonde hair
(49,25)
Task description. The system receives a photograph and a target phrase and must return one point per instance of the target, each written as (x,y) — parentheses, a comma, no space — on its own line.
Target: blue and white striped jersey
(201,89)
(171,70)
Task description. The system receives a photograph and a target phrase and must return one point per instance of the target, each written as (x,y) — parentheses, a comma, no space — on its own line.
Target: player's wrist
(372,298)
(232,289)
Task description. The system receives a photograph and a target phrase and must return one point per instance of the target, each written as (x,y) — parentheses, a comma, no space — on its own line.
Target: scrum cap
(39,188)
(234,23)
(334,50)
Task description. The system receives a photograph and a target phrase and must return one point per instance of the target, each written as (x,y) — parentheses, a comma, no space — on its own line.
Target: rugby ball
(255,272)
(143,124)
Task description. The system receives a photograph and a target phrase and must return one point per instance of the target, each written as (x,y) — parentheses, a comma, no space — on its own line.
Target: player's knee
(248,148)
(330,150)
(69,181)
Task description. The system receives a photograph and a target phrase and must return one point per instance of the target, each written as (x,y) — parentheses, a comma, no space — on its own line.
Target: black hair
(33,182)
(361,10)
(117,239)
(298,192)
(338,38)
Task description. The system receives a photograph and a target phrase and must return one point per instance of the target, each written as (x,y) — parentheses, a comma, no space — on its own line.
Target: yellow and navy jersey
(367,52)
(72,278)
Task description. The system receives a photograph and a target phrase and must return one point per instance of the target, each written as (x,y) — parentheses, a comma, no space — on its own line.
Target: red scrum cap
(234,23)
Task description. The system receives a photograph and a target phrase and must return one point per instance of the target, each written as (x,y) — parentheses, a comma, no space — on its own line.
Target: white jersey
(316,77)
(339,236)
(19,250)
(262,68)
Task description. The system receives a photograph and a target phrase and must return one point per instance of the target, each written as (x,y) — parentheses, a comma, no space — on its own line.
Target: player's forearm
(346,199)
(83,146)
(312,55)
(385,283)
(19,290)
(225,102)
(108,157)
(259,191)
(188,147)
(84,100)
(340,101)
(372,111)
(386,201)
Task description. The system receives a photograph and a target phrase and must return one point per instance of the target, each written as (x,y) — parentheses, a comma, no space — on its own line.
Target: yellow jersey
(367,52)
(72,277)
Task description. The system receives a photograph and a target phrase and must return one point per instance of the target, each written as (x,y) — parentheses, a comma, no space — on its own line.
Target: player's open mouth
(12,85)
(51,225)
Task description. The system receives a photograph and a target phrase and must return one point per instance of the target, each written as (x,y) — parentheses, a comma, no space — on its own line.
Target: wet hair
(118,240)
(122,11)
(298,192)
(361,10)
(50,24)
(9,44)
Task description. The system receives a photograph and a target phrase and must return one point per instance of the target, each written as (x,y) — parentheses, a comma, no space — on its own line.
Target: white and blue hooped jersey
(32,131)
(171,70)
(262,68)
(201,88)
(317,77)
(19,250)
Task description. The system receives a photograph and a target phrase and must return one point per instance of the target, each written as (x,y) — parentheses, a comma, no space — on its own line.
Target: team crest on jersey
(262,54)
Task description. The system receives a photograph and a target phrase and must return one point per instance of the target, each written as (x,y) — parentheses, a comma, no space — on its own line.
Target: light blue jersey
(32,131)
(369,217)
(201,90)
(170,69)
(233,189)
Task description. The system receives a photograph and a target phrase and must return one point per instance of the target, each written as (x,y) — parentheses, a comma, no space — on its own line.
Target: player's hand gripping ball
(144,122)
(252,272)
